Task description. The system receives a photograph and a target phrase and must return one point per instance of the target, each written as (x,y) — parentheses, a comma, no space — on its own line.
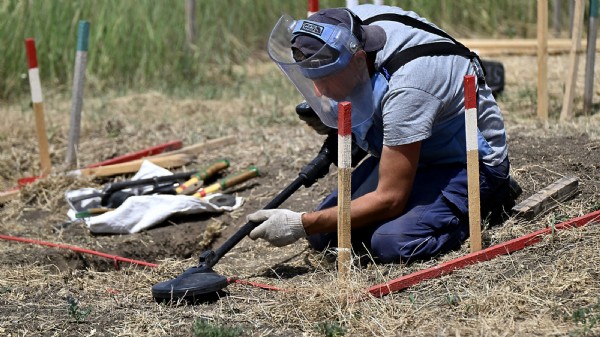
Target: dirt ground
(533,292)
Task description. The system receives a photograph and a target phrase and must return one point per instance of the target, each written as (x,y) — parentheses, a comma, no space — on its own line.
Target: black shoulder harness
(402,57)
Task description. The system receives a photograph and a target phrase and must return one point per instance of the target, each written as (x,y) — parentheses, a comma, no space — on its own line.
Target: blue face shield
(333,74)
(369,135)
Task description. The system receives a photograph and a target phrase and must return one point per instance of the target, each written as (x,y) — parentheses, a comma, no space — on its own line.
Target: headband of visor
(339,46)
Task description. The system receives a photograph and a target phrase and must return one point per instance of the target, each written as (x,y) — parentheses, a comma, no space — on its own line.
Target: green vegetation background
(142,44)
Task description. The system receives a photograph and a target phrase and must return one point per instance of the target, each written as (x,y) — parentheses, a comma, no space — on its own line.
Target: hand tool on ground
(196,181)
(91,212)
(160,183)
(202,283)
(230,180)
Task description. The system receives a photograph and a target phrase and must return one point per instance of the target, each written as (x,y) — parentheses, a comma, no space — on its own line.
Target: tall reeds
(142,43)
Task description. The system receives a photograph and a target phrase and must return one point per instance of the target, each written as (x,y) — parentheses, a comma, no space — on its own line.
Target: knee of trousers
(402,242)
(394,248)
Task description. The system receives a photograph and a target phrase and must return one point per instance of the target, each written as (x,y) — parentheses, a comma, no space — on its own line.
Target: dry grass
(534,292)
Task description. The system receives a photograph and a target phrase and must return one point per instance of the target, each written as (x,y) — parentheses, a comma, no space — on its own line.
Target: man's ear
(359,59)
(359,55)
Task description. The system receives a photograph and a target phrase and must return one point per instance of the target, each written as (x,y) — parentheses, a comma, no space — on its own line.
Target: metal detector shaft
(315,170)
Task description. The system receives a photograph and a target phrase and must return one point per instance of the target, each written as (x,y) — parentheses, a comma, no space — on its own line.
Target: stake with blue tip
(77,101)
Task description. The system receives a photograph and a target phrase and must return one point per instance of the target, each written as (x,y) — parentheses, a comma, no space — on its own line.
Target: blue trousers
(435,219)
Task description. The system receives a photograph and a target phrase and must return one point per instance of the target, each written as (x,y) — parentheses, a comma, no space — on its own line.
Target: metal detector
(202,283)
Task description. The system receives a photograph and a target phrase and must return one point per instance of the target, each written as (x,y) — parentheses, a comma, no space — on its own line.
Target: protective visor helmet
(317,56)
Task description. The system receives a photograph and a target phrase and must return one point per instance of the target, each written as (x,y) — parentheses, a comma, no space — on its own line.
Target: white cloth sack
(147,170)
(143,211)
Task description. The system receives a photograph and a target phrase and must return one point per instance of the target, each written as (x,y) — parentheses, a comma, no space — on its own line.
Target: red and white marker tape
(34,74)
(38,107)
(472,162)
(344,188)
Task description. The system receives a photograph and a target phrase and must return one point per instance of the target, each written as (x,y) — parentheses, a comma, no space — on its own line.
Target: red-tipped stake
(38,106)
(344,194)
(313,7)
(472,162)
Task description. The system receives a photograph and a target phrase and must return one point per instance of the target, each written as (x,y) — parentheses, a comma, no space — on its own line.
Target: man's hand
(280,227)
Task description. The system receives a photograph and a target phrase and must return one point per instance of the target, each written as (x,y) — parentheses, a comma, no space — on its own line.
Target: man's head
(325,57)
(307,42)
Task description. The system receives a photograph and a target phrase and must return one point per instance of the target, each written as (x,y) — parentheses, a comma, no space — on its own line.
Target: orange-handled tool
(228,181)
(195,182)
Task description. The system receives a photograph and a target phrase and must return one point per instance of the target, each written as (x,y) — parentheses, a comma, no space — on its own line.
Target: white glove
(280,227)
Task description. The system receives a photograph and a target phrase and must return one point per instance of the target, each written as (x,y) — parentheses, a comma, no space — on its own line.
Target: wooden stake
(557,17)
(588,92)
(547,198)
(567,106)
(190,27)
(147,152)
(174,160)
(518,46)
(344,187)
(77,102)
(542,60)
(198,148)
(313,7)
(8,195)
(472,162)
(38,106)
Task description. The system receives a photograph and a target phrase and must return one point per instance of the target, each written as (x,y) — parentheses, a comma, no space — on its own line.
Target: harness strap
(410,21)
(402,57)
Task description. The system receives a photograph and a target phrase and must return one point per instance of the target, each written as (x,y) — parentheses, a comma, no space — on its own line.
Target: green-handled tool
(91,212)
(230,180)
(112,194)
(196,181)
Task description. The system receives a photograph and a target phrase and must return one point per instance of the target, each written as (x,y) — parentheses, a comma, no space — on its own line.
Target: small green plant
(452,300)
(204,328)
(595,206)
(75,311)
(330,329)
(412,299)
(586,319)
